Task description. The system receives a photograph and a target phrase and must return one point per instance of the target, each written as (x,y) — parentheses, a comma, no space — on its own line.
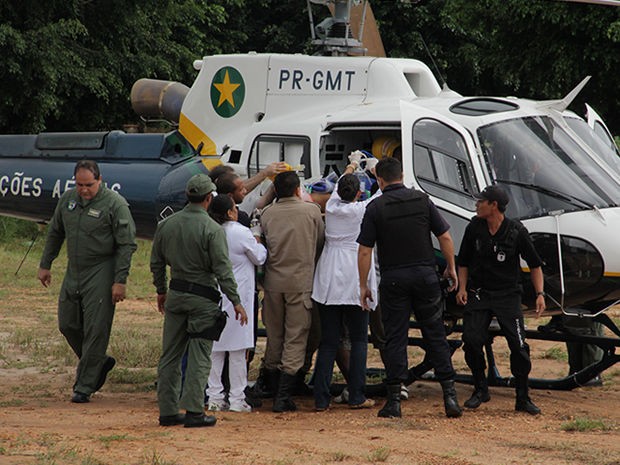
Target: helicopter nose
(589,267)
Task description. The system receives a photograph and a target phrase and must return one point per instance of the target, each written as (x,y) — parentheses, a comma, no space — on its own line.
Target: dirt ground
(38,425)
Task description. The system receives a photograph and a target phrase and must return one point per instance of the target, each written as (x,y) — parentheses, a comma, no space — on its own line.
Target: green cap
(200,184)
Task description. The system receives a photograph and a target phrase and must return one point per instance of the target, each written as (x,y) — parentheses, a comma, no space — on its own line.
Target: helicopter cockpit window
(543,168)
(599,145)
(600,131)
(441,164)
(293,150)
(176,147)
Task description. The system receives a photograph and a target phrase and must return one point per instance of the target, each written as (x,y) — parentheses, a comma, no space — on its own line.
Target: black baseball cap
(494,194)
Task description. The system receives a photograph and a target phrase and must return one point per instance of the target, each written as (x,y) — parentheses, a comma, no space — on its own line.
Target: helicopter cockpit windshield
(543,169)
(609,153)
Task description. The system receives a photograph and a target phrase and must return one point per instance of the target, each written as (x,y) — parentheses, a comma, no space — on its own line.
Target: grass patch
(132,380)
(338,456)
(282,462)
(43,347)
(140,282)
(55,457)
(585,424)
(90,460)
(12,403)
(155,458)
(12,229)
(136,347)
(133,376)
(379,455)
(108,440)
(555,353)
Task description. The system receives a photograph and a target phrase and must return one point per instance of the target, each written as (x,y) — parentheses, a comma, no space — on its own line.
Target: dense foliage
(539,49)
(69,65)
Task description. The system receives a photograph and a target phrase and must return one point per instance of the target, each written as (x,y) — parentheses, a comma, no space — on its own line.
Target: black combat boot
(266,384)
(481,392)
(524,403)
(450,402)
(391,409)
(198,420)
(300,387)
(283,401)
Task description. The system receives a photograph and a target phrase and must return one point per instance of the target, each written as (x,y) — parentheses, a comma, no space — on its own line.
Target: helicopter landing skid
(567,383)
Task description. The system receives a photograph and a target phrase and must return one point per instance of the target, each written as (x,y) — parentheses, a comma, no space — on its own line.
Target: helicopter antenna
(443,81)
(34,239)
(562,104)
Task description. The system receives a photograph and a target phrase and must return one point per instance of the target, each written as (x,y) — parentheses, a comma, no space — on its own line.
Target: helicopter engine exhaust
(157,99)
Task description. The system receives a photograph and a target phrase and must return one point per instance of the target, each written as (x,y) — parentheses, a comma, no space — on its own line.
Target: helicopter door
(439,157)
(600,128)
(268,148)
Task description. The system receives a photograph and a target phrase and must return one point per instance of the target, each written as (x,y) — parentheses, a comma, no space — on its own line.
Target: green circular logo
(227,92)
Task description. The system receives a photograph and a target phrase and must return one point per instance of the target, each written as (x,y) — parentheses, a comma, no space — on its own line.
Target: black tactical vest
(496,265)
(403,229)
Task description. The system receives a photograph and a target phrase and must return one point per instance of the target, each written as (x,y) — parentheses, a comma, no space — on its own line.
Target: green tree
(70,65)
(278,27)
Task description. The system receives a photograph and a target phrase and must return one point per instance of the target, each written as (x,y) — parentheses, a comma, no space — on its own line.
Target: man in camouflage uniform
(100,235)
(195,248)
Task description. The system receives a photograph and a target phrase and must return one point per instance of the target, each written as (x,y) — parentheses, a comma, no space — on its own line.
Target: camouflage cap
(199,184)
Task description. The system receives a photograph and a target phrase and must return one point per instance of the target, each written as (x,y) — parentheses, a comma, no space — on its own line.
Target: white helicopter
(312,111)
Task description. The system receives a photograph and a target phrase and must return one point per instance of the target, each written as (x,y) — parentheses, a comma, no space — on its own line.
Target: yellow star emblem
(226,89)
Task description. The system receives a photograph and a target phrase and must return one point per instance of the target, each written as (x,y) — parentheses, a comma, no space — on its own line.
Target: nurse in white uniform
(245,252)
(336,291)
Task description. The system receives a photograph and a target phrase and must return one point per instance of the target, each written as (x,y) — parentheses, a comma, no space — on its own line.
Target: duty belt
(196,289)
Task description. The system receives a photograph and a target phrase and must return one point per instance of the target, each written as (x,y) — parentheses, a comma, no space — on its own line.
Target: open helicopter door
(440,158)
(600,128)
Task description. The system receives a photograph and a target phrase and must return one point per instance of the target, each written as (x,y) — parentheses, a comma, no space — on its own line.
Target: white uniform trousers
(237,375)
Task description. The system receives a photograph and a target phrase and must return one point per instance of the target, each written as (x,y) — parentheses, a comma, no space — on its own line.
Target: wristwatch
(541,293)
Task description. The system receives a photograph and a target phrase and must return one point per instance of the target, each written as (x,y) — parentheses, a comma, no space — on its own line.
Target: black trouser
(400,292)
(506,307)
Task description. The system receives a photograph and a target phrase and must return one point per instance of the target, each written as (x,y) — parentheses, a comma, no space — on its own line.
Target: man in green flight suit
(195,248)
(100,234)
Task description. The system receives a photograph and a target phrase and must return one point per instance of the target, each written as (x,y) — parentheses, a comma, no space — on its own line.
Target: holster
(214,332)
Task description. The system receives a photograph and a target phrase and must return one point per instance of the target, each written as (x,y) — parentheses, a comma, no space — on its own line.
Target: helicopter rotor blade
(596,2)
(361,14)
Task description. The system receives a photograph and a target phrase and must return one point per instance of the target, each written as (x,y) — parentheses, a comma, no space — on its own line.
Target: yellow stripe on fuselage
(210,162)
(195,136)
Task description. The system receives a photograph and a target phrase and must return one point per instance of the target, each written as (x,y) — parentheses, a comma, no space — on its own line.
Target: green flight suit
(195,248)
(100,235)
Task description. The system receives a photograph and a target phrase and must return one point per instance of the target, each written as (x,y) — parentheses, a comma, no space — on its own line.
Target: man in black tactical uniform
(400,222)
(489,274)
